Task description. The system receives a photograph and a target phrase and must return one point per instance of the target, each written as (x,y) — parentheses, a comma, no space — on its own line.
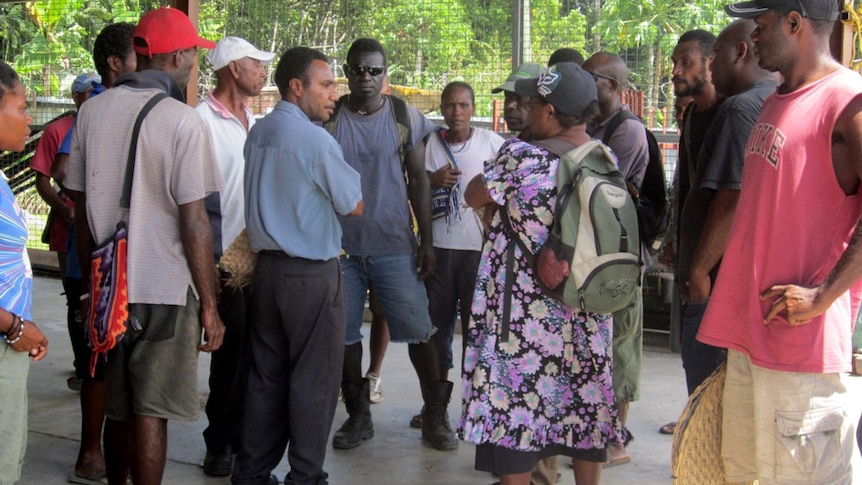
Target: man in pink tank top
(788,289)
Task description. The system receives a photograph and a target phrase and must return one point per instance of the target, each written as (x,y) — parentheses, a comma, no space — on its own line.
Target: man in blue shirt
(296,180)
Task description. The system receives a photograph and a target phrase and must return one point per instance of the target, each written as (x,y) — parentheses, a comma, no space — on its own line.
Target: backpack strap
(556,146)
(510,270)
(439,131)
(126,196)
(402,124)
(622,115)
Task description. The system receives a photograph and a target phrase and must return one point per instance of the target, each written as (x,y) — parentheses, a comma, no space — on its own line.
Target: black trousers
(450,295)
(297,349)
(229,369)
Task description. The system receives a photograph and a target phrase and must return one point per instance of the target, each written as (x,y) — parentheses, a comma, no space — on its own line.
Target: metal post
(521,38)
(517,32)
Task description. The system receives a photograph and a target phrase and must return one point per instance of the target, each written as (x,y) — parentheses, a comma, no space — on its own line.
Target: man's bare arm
(712,244)
(49,195)
(197,240)
(58,169)
(476,194)
(419,192)
(84,243)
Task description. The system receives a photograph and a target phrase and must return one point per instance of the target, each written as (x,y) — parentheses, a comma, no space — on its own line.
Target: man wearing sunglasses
(629,142)
(382,139)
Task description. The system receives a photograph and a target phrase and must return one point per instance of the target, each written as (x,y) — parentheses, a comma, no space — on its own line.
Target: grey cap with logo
(565,85)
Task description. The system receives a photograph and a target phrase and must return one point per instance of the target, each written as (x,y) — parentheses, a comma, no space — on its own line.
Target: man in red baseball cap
(165,38)
(165,30)
(151,375)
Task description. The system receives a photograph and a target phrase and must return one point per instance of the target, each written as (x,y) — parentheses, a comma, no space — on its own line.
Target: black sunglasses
(597,76)
(374,71)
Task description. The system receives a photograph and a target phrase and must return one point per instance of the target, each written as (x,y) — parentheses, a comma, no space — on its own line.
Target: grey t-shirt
(371,146)
(719,167)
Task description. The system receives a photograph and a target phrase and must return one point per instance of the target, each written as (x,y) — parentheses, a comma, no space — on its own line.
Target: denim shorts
(399,289)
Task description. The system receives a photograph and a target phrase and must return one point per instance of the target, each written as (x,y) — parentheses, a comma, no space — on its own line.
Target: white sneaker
(376,387)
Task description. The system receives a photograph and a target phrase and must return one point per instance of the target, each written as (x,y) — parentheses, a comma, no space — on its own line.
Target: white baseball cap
(232,49)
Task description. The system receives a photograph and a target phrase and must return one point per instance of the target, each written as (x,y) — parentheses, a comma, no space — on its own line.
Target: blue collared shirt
(296,180)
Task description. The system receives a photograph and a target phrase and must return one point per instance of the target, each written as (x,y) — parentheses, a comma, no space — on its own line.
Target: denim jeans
(400,291)
(698,359)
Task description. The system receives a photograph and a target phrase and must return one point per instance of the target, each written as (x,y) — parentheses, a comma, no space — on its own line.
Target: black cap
(565,85)
(812,9)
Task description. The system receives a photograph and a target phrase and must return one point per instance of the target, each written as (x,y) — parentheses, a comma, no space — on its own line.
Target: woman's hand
(446,177)
(32,341)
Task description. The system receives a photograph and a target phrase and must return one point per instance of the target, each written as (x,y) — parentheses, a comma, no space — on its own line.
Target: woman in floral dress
(540,384)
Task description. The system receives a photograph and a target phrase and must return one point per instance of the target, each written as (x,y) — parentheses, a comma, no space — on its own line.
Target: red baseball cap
(165,30)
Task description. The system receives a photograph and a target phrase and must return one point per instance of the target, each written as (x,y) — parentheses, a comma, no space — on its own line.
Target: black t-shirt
(695,124)
(719,167)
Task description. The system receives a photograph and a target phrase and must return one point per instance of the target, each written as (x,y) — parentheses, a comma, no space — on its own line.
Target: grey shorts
(153,370)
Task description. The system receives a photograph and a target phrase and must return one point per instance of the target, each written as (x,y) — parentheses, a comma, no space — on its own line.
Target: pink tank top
(792,223)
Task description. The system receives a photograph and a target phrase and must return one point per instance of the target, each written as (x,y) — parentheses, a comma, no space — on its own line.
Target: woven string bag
(696,456)
(239,261)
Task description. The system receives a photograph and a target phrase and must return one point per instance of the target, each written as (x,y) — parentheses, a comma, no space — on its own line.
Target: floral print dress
(549,383)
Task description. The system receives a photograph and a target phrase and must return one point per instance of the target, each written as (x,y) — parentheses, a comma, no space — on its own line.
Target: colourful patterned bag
(108,314)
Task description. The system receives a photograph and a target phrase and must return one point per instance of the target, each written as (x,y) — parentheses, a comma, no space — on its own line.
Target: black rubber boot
(358,426)
(435,417)
(416,420)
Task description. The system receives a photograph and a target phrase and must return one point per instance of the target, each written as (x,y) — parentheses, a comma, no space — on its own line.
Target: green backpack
(591,259)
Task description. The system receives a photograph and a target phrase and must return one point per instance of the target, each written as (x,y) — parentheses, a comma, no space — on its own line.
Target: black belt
(281,254)
(278,253)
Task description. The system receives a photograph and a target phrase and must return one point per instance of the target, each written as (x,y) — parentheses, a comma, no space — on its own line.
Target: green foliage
(553,27)
(645,33)
(47,41)
(626,24)
(492,30)
(429,42)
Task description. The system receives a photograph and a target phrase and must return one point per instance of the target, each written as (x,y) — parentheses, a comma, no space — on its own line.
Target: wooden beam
(841,42)
(192,9)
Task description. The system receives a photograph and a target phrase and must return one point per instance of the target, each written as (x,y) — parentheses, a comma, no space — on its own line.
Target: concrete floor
(394,456)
